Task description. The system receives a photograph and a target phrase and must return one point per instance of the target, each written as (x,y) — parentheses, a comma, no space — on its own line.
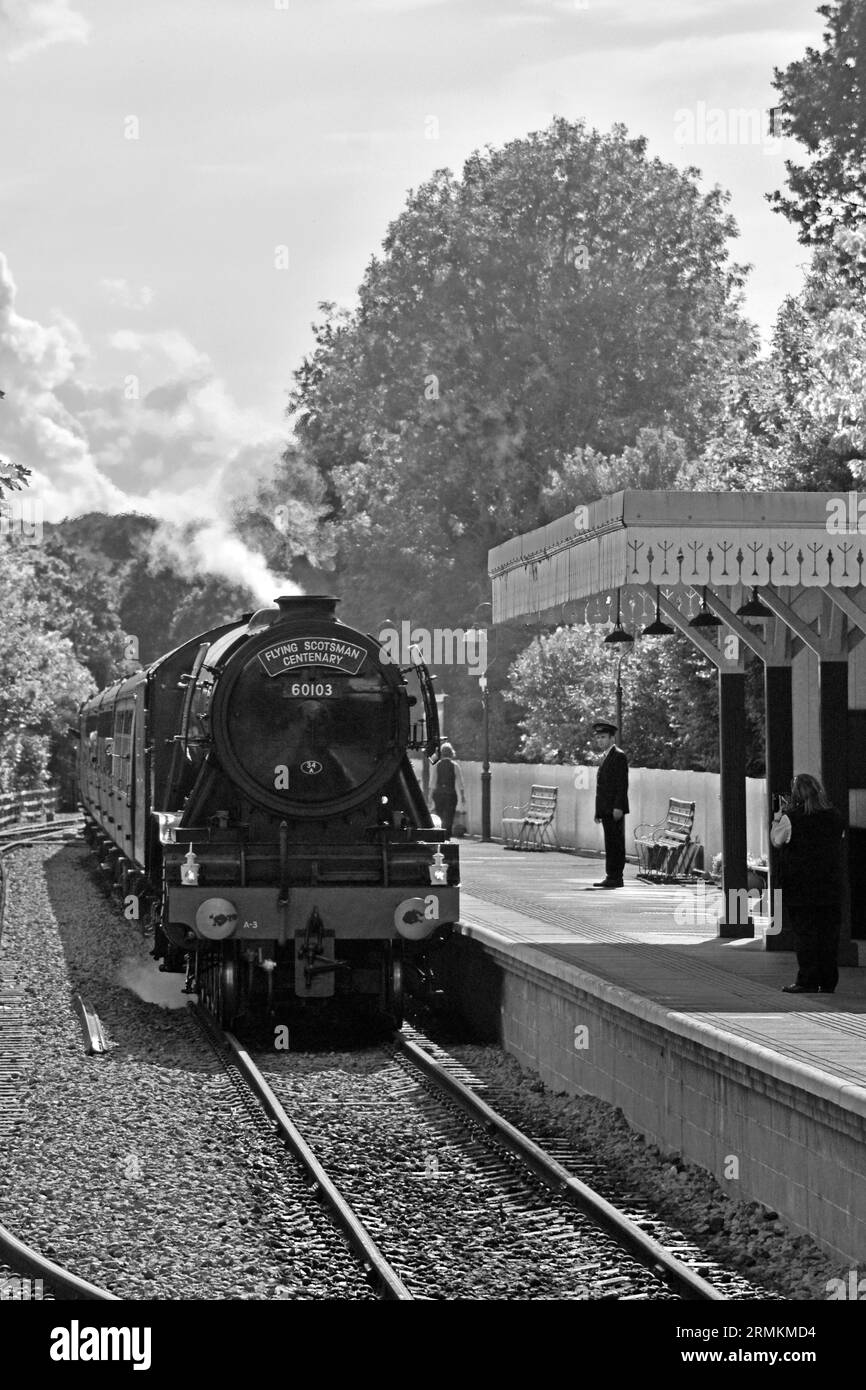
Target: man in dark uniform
(611,802)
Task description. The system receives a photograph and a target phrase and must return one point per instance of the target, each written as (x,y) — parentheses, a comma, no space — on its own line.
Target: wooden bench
(527,827)
(666,852)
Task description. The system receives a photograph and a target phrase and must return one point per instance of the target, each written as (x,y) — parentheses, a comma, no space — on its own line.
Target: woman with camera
(810,832)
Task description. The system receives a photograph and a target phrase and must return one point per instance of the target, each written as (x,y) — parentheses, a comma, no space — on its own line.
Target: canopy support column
(833,686)
(728,659)
(779,730)
(736,921)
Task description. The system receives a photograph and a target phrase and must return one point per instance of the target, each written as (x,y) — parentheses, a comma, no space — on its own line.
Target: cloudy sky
(182,183)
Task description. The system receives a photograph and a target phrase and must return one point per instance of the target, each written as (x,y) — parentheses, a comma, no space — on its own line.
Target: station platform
(630,995)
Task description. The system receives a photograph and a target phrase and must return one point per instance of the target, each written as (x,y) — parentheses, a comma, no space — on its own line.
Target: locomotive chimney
(300,606)
(294,608)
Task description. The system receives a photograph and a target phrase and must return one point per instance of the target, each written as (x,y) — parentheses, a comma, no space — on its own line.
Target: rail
(390,1284)
(557,1178)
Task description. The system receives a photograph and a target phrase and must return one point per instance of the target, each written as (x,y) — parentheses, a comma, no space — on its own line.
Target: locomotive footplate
(315,965)
(254,914)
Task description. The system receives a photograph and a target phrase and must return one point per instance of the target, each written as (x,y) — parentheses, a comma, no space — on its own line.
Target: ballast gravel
(742,1236)
(456,1215)
(132,1169)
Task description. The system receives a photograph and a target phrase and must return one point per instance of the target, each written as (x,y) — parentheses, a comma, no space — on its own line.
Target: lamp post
(626,653)
(618,637)
(485,765)
(485,727)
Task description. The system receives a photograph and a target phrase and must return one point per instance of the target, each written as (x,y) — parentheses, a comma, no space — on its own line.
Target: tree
(41,681)
(657,459)
(134,585)
(566,680)
(82,600)
(824,107)
(567,293)
(828,370)
(797,419)
(12,476)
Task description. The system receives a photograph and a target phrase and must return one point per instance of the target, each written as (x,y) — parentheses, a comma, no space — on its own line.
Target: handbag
(458,825)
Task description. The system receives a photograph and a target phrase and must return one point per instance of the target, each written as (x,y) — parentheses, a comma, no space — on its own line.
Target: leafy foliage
(12,476)
(41,680)
(797,419)
(81,602)
(824,106)
(567,293)
(141,585)
(568,679)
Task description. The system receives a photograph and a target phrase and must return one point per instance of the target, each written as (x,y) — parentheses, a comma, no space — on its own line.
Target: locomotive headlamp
(216,918)
(189,868)
(438,868)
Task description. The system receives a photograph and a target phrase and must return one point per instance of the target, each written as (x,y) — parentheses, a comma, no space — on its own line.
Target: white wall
(649,790)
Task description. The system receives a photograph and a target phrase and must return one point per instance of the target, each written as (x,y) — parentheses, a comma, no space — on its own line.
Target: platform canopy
(779,573)
(682,540)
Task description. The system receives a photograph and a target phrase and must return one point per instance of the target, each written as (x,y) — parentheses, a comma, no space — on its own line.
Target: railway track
(25,1274)
(576,1163)
(262,1107)
(13,834)
(438,1195)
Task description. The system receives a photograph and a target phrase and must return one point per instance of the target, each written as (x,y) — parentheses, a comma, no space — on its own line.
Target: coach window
(104,741)
(122,748)
(90,729)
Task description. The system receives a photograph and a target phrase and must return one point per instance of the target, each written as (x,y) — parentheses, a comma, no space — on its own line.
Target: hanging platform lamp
(704,618)
(618,634)
(658,628)
(754,608)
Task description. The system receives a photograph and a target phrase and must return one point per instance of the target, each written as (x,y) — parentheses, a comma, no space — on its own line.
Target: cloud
(120,292)
(164,346)
(398,7)
(26,26)
(166,439)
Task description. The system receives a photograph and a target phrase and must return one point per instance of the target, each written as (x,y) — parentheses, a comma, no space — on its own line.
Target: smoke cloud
(152,985)
(166,439)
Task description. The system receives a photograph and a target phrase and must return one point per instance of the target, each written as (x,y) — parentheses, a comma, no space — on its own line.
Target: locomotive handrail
(182,740)
(431,711)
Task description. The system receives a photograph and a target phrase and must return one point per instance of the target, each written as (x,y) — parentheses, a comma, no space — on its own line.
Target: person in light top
(446,788)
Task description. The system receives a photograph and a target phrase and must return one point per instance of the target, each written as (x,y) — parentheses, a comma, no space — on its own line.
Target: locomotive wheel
(219,988)
(202,980)
(228,992)
(392,984)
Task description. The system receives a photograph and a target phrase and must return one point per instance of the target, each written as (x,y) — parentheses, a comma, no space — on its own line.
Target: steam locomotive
(252,798)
